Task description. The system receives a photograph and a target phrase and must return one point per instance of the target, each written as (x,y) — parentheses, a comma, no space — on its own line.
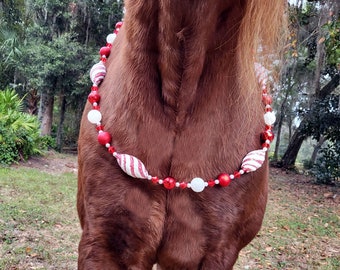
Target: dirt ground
(52,162)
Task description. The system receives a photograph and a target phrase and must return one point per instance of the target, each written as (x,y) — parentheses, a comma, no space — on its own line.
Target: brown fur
(180,94)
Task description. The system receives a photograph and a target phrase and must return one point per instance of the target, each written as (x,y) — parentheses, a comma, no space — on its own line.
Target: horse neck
(187,47)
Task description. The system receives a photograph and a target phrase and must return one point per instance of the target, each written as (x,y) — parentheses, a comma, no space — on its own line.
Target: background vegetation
(48,47)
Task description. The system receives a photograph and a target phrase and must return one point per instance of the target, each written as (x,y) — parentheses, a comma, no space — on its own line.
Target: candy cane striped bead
(97,73)
(132,166)
(253,160)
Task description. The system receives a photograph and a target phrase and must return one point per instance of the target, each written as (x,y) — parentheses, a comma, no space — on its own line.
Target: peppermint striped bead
(132,166)
(97,73)
(253,160)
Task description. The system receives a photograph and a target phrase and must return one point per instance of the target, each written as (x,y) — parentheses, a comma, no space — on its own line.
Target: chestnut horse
(180,94)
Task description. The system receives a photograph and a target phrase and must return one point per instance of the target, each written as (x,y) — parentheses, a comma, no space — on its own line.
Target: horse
(163,136)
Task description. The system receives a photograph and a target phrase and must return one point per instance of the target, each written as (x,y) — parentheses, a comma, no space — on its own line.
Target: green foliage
(19,131)
(332,30)
(49,47)
(307,164)
(47,142)
(54,65)
(325,119)
(327,168)
(97,17)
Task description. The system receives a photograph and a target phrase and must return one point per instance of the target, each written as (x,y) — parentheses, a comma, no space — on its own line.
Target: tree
(12,23)
(325,73)
(47,47)
(307,125)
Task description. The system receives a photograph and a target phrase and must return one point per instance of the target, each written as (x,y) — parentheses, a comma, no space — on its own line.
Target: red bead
(100,127)
(103,59)
(183,185)
(224,179)
(94,88)
(267,99)
(169,183)
(211,183)
(93,97)
(265,145)
(237,174)
(268,127)
(109,45)
(96,107)
(111,149)
(267,135)
(154,179)
(119,25)
(269,109)
(104,138)
(105,51)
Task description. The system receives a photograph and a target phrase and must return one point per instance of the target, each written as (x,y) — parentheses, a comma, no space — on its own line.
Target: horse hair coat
(180,94)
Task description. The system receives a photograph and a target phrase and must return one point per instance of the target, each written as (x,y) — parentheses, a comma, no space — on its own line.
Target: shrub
(327,168)
(19,131)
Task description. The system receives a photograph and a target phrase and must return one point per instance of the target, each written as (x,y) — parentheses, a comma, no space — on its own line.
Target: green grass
(38,222)
(301,229)
(39,228)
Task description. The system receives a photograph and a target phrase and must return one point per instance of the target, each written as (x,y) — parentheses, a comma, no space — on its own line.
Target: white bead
(269,118)
(197,184)
(160,181)
(94,116)
(111,38)
(107,145)
(217,182)
(177,184)
(232,176)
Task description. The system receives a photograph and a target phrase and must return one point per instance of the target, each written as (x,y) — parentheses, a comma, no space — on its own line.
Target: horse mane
(262,36)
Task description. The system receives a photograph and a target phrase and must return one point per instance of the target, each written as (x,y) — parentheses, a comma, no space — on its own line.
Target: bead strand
(135,168)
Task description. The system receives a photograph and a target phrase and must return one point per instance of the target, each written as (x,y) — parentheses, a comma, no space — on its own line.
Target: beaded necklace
(135,167)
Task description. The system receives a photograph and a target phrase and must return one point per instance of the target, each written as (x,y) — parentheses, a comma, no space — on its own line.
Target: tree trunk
(46,113)
(289,157)
(278,138)
(317,148)
(60,130)
(320,49)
